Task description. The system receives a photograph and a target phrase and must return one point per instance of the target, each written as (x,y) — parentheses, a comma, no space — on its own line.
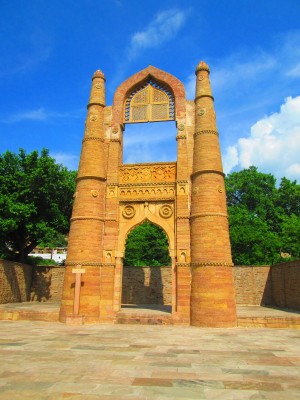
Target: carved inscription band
(97,139)
(182,265)
(82,218)
(180,137)
(88,263)
(211,264)
(115,140)
(206,132)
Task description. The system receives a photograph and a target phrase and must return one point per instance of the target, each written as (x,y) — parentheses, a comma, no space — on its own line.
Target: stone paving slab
(47,361)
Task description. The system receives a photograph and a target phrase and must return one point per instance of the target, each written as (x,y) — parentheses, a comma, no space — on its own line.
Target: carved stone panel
(159,172)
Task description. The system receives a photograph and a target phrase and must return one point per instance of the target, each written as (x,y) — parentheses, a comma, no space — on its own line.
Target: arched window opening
(151,101)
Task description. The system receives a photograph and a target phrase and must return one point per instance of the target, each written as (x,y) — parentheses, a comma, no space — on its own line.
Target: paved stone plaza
(48,360)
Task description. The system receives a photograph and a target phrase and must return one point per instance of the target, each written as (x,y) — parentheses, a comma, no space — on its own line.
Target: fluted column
(212,288)
(85,244)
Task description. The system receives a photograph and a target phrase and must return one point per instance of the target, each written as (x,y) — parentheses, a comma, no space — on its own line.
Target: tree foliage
(264,220)
(35,202)
(147,245)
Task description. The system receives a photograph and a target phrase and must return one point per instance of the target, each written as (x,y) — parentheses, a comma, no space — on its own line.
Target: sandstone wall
(253,284)
(278,285)
(286,285)
(47,283)
(145,285)
(15,282)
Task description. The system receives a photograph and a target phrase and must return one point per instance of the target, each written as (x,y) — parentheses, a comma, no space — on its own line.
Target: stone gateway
(185,198)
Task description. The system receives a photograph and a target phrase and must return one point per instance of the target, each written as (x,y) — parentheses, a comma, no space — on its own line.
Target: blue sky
(50,50)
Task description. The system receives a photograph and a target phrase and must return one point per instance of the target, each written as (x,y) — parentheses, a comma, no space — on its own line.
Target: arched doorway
(147,246)
(147,274)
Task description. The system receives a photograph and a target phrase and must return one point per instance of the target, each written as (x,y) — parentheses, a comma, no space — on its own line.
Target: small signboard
(78,271)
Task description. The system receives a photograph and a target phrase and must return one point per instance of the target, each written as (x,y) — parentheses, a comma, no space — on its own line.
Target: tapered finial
(202,66)
(98,74)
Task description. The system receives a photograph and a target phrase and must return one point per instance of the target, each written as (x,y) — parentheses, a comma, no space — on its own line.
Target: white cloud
(294,71)
(163,28)
(230,158)
(236,70)
(273,144)
(30,115)
(39,115)
(247,71)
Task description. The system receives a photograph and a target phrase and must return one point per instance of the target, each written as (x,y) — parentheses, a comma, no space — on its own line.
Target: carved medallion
(181,127)
(128,212)
(166,211)
(201,112)
(94,193)
(93,118)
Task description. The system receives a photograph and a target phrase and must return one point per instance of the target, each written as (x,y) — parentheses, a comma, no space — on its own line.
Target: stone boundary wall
(15,282)
(253,284)
(286,285)
(278,285)
(147,285)
(47,283)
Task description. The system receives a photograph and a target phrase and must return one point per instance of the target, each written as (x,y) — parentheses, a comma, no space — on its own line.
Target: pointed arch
(149,101)
(147,242)
(133,223)
(174,85)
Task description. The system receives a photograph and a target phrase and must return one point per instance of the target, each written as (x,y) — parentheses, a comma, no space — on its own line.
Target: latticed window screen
(149,102)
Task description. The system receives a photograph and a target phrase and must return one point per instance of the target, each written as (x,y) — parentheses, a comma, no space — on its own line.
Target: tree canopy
(35,202)
(264,219)
(147,245)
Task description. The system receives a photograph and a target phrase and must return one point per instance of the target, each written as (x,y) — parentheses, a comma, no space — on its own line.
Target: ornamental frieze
(161,172)
(147,192)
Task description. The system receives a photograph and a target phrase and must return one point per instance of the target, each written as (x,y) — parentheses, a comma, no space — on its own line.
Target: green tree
(147,245)
(264,220)
(35,201)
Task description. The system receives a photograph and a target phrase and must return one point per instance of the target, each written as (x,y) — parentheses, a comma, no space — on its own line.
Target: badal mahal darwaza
(185,198)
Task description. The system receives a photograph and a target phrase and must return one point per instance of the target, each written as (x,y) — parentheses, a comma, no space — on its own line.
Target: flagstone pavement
(53,361)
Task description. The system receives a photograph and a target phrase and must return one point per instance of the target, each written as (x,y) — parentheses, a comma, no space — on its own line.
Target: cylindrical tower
(212,287)
(85,244)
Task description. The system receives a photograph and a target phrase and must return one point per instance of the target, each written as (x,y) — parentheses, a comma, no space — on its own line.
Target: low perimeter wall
(15,282)
(22,282)
(278,285)
(286,285)
(253,284)
(146,285)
